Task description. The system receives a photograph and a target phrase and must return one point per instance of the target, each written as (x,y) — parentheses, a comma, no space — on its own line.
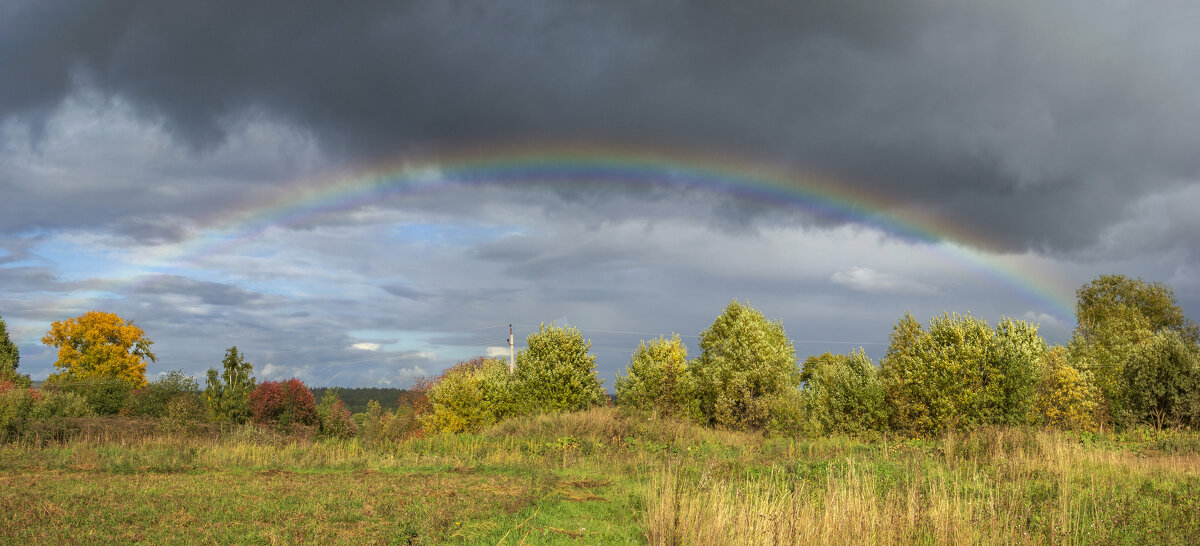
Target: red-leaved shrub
(283,403)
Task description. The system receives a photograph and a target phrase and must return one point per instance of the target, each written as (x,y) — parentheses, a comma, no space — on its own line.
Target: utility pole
(512,359)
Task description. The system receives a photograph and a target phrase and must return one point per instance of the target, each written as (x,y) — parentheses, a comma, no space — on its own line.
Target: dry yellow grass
(1005,487)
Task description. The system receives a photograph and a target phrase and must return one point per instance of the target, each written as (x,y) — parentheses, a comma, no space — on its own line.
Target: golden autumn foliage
(1065,397)
(99,345)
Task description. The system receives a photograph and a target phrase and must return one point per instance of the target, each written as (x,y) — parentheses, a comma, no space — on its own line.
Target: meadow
(604,475)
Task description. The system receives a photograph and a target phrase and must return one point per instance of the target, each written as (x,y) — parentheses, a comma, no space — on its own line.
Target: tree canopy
(746,362)
(10,358)
(1113,307)
(556,372)
(960,373)
(1118,315)
(99,345)
(842,393)
(227,396)
(657,377)
(1163,380)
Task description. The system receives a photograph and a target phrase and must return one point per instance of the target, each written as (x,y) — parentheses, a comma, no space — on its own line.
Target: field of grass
(602,476)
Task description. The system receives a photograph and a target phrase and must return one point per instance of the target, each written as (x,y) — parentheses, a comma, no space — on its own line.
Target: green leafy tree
(10,359)
(1116,315)
(843,393)
(1162,377)
(746,365)
(227,396)
(960,373)
(657,379)
(556,372)
(1113,309)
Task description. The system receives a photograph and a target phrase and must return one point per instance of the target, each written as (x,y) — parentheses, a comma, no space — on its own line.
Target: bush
(556,372)
(1162,379)
(104,396)
(1065,397)
(745,363)
(152,400)
(182,413)
(456,399)
(336,421)
(842,393)
(960,373)
(469,396)
(15,405)
(55,404)
(283,403)
(382,427)
(657,379)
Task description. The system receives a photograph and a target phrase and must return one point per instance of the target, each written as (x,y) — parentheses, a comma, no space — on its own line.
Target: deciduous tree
(657,378)
(283,403)
(469,396)
(556,372)
(746,363)
(960,373)
(842,393)
(1163,381)
(1065,396)
(98,345)
(1116,315)
(227,397)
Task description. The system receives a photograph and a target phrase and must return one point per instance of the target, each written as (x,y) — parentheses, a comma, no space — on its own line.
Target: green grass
(605,477)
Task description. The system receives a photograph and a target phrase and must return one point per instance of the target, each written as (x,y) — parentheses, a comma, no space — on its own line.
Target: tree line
(1133,359)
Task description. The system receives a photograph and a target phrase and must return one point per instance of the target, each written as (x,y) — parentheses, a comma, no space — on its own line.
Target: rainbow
(633,167)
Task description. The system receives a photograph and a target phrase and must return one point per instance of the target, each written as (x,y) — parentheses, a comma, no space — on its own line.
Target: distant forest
(356,399)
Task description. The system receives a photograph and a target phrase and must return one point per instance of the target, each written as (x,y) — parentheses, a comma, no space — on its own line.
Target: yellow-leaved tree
(99,345)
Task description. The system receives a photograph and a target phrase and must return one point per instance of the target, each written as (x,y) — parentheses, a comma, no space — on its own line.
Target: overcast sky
(182,164)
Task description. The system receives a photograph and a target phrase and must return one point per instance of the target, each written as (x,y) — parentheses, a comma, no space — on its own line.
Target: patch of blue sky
(451,234)
(24,262)
(76,262)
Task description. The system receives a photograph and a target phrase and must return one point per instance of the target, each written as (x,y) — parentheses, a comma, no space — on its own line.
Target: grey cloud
(406,292)
(989,114)
(210,293)
(1063,128)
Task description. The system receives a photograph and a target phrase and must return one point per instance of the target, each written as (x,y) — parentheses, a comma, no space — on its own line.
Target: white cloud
(1044,319)
(366,346)
(271,370)
(865,279)
(497,351)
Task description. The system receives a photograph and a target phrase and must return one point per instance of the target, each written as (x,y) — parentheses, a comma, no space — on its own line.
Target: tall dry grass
(995,486)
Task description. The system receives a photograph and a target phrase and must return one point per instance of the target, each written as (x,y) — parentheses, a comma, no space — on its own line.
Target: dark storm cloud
(1038,125)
